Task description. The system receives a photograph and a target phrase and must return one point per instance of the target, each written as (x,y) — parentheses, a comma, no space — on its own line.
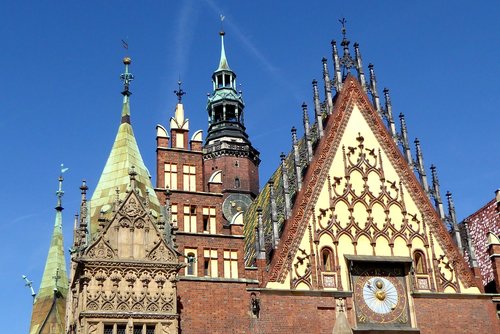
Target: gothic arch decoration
(318,172)
(161,252)
(101,249)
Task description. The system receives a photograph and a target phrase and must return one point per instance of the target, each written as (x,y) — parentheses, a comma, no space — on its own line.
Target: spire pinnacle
(60,192)
(347,62)
(223,64)
(179,92)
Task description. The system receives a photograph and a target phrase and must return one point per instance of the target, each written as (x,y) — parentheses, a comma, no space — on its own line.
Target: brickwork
(180,158)
(235,167)
(456,316)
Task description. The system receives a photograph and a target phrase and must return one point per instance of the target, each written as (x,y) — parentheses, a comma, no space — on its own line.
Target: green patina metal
(124,156)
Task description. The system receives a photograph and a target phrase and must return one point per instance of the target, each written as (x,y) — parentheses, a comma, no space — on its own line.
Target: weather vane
(179,92)
(343,21)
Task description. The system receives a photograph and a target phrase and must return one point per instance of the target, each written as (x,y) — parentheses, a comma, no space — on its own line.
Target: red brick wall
(455,316)
(179,157)
(246,171)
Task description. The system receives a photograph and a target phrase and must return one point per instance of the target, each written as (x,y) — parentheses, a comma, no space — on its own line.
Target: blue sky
(60,93)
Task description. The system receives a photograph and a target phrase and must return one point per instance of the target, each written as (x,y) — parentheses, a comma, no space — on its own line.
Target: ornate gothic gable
(131,234)
(360,197)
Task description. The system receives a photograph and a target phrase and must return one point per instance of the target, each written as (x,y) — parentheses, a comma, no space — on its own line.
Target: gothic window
(419,259)
(150,330)
(108,329)
(189,177)
(237,183)
(137,329)
(121,329)
(171,176)
(327,263)
(210,262)
(209,220)
(190,218)
(230,264)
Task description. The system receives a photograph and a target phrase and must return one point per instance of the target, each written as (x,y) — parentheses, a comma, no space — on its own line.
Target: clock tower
(227,146)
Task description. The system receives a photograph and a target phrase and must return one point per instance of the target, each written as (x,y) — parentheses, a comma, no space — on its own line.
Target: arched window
(191,259)
(419,260)
(237,182)
(327,263)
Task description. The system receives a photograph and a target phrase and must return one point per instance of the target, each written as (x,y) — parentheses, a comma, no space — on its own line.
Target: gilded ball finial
(127,60)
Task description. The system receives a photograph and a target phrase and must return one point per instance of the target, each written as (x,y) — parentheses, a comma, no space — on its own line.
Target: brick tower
(227,146)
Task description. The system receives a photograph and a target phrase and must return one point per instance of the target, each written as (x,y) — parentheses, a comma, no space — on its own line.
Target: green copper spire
(49,306)
(223,64)
(124,155)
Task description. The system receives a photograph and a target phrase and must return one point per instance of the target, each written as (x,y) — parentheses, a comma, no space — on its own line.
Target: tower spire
(124,154)
(223,64)
(49,304)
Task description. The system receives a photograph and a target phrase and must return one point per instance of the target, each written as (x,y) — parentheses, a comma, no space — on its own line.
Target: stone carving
(161,253)
(101,250)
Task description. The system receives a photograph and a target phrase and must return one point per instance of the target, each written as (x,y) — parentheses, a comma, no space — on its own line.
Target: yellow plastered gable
(366,209)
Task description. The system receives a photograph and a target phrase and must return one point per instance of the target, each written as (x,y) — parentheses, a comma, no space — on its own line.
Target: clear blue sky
(60,94)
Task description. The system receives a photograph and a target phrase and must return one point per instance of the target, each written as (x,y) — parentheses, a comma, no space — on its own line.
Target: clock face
(380,297)
(235,203)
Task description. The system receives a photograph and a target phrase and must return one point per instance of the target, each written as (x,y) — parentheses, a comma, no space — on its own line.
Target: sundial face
(380,297)
(235,203)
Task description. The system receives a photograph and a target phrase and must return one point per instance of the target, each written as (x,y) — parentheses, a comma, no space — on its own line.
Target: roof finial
(343,21)
(347,62)
(60,192)
(179,92)
(126,77)
(222,17)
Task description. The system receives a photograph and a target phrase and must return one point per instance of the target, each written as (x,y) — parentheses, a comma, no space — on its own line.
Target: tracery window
(419,259)
(327,263)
